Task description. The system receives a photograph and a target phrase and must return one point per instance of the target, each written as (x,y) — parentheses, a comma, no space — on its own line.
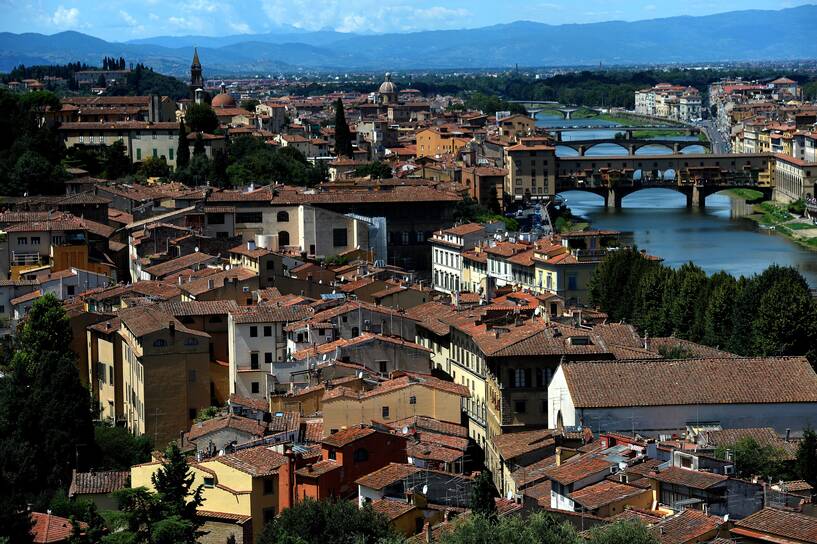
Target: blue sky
(120,20)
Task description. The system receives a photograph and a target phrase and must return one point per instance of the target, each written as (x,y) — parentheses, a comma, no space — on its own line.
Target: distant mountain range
(732,36)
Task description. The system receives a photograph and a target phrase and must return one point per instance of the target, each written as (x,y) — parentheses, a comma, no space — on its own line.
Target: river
(715,238)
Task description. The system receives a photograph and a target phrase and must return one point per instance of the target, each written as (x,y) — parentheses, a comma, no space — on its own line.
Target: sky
(122,20)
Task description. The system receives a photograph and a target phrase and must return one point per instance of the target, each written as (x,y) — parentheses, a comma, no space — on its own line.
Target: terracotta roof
(366,337)
(180,263)
(199,308)
(202,285)
(347,436)
(433,452)
(577,468)
(603,493)
(392,473)
(523,476)
(285,421)
(689,478)
(50,528)
(764,436)
(313,430)
(691,381)
(230,421)
(693,349)
(255,461)
(25,298)
(270,313)
(778,523)
(256,404)
(318,469)
(143,320)
(392,508)
(514,444)
(396,384)
(429,424)
(252,253)
(84,483)
(688,526)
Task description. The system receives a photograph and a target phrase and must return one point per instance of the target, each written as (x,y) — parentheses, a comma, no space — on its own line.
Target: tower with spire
(196,77)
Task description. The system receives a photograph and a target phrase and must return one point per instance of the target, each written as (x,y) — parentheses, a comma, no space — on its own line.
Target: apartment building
(531,170)
(669,101)
(447,247)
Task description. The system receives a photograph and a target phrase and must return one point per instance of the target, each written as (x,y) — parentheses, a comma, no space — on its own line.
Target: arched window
(191,342)
(159,343)
(283,238)
(283,217)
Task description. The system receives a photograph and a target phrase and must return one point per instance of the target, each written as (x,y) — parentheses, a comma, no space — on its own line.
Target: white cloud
(186,23)
(128,18)
(65,17)
(240,27)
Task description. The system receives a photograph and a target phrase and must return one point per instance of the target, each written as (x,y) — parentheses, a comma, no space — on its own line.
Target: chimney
(788,434)
(108,326)
(210,284)
(647,341)
(181,280)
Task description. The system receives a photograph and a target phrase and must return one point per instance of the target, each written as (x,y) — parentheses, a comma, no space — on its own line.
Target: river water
(715,238)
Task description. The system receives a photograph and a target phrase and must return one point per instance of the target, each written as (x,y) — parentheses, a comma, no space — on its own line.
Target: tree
(249,104)
(483,493)
(648,303)
(691,282)
(784,322)
(493,200)
(321,522)
(183,149)
(538,528)
(119,449)
(116,161)
(198,146)
(201,118)
(101,82)
(374,170)
(218,167)
(806,463)
(343,136)
(174,483)
(622,532)
(719,310)
(155,167)
(94,530)
(752,459)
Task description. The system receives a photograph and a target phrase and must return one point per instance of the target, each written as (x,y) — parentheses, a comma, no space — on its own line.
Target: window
(269,514)
(253,331)
(209,481)
(412,400)
(254,387)
(191,413)
(269,486)
(22,241)
(69,288)
(35,240)
(267,330)
(519,377)
(110,374)
(191,375)
(159,343)
(155,152)
(339,237)
(361,455)
(215,218)
(254,360)
(405,238)
(138,154)
(268,358)
(332,454)
(248,217)
(191,341)
(519,406)
(385,411)
(283,238)
(383,366)
(355,332)
(282,217)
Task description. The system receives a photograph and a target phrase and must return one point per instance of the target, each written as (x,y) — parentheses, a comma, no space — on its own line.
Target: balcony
(475,411)
(19,258)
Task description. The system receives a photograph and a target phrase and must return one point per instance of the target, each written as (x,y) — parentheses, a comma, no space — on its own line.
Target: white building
(257,348)
(447,247)
(669,101)
(660,396)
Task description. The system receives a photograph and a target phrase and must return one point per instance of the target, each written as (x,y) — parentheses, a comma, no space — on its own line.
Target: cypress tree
(183,150)
(343,136)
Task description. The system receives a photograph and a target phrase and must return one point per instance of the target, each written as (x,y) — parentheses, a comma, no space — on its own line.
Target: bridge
(696,176)
(535,106)
(630,145)
(626,130)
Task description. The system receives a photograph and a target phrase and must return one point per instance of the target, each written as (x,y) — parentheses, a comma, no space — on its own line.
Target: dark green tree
(321,522)
(493,200)
(174,484)
(183,149)
(201,118)
(218,168)
(249,104)
(622,532)
(483,493)
(155,167)
(719,310)
(94,530)
(198,146)
(343,136)
(752,459)
(116,162)
(101,81)
(374,170)
(119,449)
(784,322)
(648,303)
(690,285)
(806,463)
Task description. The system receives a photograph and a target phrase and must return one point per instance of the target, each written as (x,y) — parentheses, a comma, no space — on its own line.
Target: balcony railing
(25,259)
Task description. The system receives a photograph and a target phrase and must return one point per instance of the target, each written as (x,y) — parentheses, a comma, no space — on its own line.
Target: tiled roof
(534,472)
(25,298)
(778,523)
(693,349)
(230,421)
(689,478)
(392,508)
(347,436)
(764,436)
(270,313)
(313,430)
(364,338)
(142,320)
(688,526)
(393,472)
(576,468)
(198,308)
(255,461)
(50,528)
(433,452)
(252,253)
(429,424)
(256,404)
(202,285)
(98,482)
(396,384)
(511,445)
(603,493)
(691,381)
(180,263)
(285,421)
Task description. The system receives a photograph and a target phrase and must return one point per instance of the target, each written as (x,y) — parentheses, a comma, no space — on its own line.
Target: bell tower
(196,77)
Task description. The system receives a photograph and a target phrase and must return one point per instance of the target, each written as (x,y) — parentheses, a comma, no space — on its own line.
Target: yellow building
(531,167)
(393,400)
(439,141)
(515,126)
(608,498)
(105,369)
(165,373)
(242,491)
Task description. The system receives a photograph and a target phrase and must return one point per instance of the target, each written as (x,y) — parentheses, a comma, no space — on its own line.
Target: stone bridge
(631,145)
(535,106)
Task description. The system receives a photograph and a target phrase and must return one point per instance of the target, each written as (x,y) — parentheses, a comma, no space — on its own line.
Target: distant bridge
(535,106)
(626,130)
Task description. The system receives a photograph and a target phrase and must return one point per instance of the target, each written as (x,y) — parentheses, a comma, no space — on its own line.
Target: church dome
(387,87)
(223,100)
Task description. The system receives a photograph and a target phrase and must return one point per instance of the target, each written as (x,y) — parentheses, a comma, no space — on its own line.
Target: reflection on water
(712,238)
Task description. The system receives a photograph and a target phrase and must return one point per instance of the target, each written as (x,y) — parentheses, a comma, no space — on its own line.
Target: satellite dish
(425,489)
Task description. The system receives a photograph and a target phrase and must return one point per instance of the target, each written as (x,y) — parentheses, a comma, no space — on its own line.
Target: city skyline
(127,20)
